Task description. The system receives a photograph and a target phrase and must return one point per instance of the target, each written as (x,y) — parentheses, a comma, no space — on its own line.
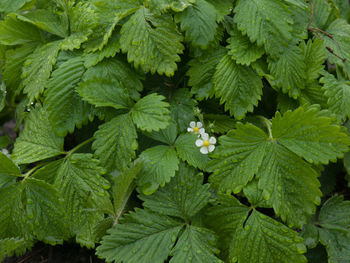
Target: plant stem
(79,146)
(268,125)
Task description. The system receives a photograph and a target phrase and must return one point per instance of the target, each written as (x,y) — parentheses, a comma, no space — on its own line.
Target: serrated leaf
(167,135)
(223,7)
(119,72)
(115,142)
(12,218)
(289,70)
(84,191)
(184,196)
(310,135)
(37,69)
(152,42)
(37,141)
(187,150)
(44,210)
(241,49)
(262,239)
(143,236)
(338,94)
(175,5)
(151,113)
(182,108)
(64,106)
(104,93)
(46,20)
(261,21)
(159,165)
(48,172)
(195,245)
(201,72)
(321,12)
(198,21)
(238,86)
(16,32)
(14,245)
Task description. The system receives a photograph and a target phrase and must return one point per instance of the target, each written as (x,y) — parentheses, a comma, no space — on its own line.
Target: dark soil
(68,253)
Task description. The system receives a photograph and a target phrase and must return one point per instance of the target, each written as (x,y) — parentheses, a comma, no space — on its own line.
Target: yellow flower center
(195,129)
(206,143)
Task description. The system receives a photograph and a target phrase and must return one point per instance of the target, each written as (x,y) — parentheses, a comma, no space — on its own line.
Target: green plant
(106,95)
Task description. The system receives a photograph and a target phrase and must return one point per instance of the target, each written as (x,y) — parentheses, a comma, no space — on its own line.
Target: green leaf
(262,239)
(195,245)
(151,113)
(37,141)
(198,21)
(152,42)
(167,135)
(311,136)
(45,211)
(12,218)
(85,195)
(8,6)
(13,245)
(187,150)
(115,142)
(7,167)
(142,236)
(238,157)
(202,70)
(241,49)
(321,13)
(238,86)
(104,93)
(48,172)
(16,32)
(334,220)
(289,70)
(339,29)
(315,56)
(159,165)
(2,96)
(223,7)
(338,94)
(120,73)
(37,69)
(261,21)
(184,196)
(219,123)
(46,20)
(64,106)
(175,5)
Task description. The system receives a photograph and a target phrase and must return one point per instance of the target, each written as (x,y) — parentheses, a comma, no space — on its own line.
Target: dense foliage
(109,98)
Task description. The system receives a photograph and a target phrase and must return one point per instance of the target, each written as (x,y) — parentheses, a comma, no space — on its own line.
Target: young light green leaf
(115,142)
(262,239)
(37,141)
(338,94)
(16,32)
(37,68)
(142,236)
(104,93)
(152,42)
(241,49)
(183,197)
(187,150)
(238,86)
(151,113)
(195,245)
(64,106)
(44,210)
(198,22)
(159,165)
(14,245)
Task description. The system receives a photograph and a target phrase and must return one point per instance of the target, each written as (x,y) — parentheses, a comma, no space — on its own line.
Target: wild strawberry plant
(177,130)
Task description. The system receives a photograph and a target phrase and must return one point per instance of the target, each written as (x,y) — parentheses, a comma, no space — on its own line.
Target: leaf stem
(79,146)
(27,174)
(268,125)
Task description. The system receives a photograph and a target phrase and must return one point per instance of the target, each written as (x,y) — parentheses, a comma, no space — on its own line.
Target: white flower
(207,145)
(196,128)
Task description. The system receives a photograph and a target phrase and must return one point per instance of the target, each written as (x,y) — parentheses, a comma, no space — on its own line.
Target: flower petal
(205,136)
(212,140)
(192,124)
(201,130)
(189,129)
(199,143)
(199,124)
(211,148)
(204,150)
